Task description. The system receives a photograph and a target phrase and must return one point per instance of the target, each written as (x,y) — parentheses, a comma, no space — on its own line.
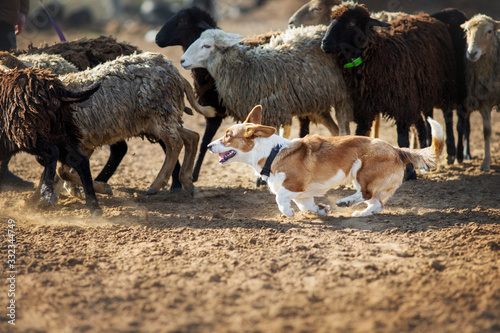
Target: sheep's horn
(80,96)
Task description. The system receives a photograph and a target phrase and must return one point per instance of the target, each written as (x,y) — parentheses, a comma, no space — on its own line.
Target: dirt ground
(228,261)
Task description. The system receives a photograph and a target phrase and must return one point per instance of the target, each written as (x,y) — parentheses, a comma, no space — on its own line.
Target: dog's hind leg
(283,198)
(374,207)
(307,204)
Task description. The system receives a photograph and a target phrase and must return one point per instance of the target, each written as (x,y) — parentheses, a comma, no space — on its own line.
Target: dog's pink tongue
(221,157)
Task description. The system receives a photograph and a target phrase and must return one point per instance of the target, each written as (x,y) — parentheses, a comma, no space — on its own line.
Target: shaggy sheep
(289,76)
(141,95)
(58,64)
(86,52)
(37,119)
(483,73)
(397,72)
(183,29)
(319,12)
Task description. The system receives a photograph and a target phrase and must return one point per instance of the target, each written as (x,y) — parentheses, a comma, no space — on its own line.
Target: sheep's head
(479,32)
(199,53)
(313,13)
(350,30)
(185,27)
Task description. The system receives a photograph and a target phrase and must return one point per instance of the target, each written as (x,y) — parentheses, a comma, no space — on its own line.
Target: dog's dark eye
(228,136)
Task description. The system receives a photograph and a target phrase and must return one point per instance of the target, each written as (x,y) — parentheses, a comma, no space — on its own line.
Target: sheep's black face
(349,31)
(184,28)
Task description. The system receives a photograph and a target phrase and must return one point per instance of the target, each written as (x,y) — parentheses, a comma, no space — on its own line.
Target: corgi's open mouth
(225,156)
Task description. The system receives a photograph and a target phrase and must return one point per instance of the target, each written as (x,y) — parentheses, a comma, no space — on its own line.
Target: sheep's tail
(425,158)
(207,111)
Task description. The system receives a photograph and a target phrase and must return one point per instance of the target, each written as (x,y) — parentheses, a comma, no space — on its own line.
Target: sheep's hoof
(97,213)
(175,189)
(191,190)
(47,202)
(151,191)
(451,159)
(109,190)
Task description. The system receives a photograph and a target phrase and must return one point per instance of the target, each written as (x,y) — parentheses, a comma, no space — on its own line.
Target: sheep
(483,73)
(58,64)
(37,119)
(86,52)
(313,13)
(183,29)
(319,12)
(289,76)
(404,70)
(141,95)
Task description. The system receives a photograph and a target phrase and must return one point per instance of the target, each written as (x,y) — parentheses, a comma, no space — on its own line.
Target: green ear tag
(354,63)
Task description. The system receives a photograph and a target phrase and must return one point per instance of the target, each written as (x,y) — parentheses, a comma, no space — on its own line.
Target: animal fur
(308,167)
(407,69)
(141,95)
(86,52)
(483,73)
(37,119)
(289,76)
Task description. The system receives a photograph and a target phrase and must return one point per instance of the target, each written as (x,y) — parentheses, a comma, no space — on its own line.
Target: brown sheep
(36,118)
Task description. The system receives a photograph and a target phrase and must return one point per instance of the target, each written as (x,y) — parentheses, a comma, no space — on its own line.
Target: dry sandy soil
(228,261)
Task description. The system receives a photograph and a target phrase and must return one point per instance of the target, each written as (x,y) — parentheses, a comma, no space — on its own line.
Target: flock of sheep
(61,102)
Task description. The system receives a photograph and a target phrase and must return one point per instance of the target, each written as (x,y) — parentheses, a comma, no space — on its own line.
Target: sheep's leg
(211,127)
(176,185)
(422,131)
(404,141)
(363,126)
(304,126)
(450,137)
(486,114)
(463,130)
(117,152)
(190,140)
(3,169)
(73,158)
(50,153)
(173,147)
(327,120)
(64,171)
(376,126)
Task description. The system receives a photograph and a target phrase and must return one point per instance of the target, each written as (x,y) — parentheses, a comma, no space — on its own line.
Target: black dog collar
(266,170)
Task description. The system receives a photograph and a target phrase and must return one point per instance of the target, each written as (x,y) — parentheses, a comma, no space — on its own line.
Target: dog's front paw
(323,209)
(288,212)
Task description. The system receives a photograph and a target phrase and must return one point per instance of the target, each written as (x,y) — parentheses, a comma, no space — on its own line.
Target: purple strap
(54,24)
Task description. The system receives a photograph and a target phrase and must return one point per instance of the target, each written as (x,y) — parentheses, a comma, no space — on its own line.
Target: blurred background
(114,15)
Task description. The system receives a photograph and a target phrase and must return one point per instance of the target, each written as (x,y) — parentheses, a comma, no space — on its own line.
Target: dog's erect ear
(259,131)
(255,116)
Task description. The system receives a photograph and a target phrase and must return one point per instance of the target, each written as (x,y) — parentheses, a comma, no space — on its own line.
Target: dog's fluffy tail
(425,158)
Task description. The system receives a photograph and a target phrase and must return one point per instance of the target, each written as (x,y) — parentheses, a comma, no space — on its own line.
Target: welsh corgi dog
(302,169)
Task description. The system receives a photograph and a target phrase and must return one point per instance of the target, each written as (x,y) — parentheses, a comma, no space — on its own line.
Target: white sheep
(141,95)
(483,73)
(289,76)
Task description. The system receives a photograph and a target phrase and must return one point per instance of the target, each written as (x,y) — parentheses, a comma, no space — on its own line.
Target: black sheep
(401,72)
(36,118)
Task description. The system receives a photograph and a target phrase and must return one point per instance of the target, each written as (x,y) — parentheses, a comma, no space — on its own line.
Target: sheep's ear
(463,25)
(496,25)
(374,22)
(255,116)
(233,39)
(259,131)
(203,25)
